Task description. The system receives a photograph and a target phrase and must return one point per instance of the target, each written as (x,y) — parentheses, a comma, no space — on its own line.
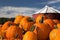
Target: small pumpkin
(50,22)
(30,35)
(6,25)
(18,19)
(14,32)
(26,23)
(43,30)
(39,17)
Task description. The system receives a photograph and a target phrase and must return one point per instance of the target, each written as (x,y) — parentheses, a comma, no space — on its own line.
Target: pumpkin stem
(16,35)
(32,28)
(41,21)
(17,25)
(10,24)
(24,31)
(30,19)
(55,26)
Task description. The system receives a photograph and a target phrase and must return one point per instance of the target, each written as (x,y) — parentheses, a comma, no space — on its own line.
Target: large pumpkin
(58,36)
(14,32)
(6,25)
(53,34)
(50,22)
(26,23)
(18,19)
(43,31)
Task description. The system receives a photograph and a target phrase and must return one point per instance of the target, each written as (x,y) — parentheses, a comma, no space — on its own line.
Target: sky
(26,7)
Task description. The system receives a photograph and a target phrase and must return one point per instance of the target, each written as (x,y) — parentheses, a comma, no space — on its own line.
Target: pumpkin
(39,17)
(53,34)
(18,19)
(30,35)
(43,30)
(56,21)
(58,35)
(6,25)
(2,34)
(14,32)
(26,23)
(50,22)
(12,39)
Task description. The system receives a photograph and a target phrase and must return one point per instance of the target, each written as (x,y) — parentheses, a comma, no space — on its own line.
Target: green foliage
(2,20)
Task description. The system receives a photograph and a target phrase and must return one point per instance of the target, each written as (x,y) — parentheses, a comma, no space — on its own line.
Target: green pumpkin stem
(32,28)
(42,19)
(55,26)
(30,19)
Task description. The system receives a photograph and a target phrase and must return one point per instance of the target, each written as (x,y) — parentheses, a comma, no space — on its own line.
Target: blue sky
(30,3)
(11,6)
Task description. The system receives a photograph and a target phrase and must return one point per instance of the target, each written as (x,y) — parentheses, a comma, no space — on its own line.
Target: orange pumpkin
(30,35)
(57,36)
(50,22)
(12,39)
(26,23)
(14,32)
(39,17)
(43,31)
(18,19)
(53,34)
(2,35)
(6,25)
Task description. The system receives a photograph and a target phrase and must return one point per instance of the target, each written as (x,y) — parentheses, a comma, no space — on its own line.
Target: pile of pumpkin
(27,28)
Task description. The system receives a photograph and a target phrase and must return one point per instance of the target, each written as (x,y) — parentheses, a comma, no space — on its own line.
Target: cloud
(53,1)
(47,2)
(9,11)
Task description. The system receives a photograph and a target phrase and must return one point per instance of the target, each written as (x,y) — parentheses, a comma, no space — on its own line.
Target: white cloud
(48,2)
(53,1)
(13,11)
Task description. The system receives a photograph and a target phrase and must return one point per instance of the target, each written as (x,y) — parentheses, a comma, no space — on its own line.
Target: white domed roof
(48,9)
